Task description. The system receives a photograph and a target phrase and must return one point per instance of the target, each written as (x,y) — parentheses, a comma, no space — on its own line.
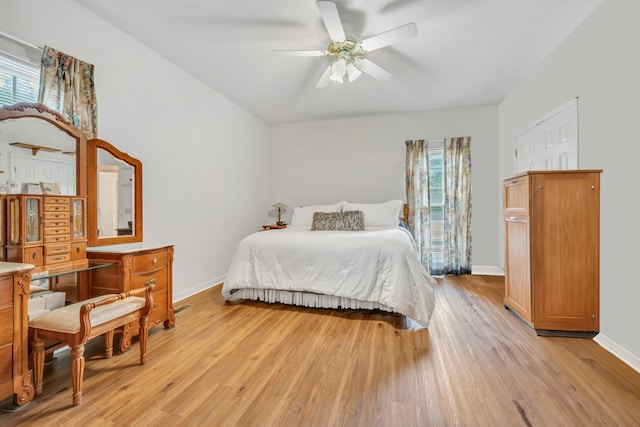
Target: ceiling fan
(349,54)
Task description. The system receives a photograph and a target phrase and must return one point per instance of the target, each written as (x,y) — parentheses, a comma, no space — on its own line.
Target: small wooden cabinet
(552,246)
(48,231)
(134,265)
(15,379)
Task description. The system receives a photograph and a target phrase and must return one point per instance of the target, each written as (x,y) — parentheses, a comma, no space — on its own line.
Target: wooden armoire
(552,249)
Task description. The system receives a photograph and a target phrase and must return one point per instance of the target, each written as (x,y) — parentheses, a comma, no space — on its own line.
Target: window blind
(19,80)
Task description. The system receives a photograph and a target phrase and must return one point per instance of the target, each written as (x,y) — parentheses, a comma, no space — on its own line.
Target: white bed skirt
(305,299)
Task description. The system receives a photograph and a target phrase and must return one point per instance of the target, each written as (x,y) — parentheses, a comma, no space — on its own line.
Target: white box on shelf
(35,304)
(54,300)
(37,313)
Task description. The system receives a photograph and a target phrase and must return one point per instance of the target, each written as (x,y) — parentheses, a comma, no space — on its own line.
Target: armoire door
(565,245)
(518,277)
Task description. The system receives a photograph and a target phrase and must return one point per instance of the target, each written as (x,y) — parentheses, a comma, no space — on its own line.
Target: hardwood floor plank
(258,364)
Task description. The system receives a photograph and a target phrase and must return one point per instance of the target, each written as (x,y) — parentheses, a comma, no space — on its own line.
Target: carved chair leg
(142,336)
(108,343)
(77,372)
(37,348)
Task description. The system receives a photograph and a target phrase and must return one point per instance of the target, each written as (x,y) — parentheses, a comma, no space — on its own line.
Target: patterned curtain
(457,206)
(66,85)
(417,183)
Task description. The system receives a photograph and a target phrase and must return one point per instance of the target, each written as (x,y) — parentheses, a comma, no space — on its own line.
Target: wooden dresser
(15,379)
(134,265)
(552,249)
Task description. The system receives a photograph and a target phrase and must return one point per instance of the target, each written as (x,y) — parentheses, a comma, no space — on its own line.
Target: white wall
(599,63)
(204,174)
(363,160)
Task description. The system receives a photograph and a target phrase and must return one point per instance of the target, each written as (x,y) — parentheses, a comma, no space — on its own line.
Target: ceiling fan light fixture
(350,53)
(353,72)
(336,78)
(339,67)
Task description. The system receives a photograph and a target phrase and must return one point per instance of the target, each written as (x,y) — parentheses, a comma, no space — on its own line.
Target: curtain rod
(22,42)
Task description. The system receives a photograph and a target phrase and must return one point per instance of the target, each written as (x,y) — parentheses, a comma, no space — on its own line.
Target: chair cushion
(67,318)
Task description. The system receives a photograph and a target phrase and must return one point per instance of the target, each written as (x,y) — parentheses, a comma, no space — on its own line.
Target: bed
(372,265)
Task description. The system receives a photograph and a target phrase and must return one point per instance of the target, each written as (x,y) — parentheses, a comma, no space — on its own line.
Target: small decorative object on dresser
(49,187)
(134,265)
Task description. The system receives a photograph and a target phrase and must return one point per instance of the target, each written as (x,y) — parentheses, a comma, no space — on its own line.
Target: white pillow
(385,214)
(303,215)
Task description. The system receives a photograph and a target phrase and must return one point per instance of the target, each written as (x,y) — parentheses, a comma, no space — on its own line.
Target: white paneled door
(31,170)
(551,143)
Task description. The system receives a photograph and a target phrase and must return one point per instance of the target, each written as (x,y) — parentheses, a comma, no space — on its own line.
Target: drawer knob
(35,256)
(155,261)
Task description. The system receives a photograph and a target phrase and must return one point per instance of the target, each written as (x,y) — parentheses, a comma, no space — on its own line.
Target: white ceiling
(468,52)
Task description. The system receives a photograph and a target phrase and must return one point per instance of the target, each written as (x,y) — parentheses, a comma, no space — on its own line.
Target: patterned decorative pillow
(338,221)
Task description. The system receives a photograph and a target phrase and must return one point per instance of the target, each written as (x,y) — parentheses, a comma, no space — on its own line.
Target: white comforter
(377,266)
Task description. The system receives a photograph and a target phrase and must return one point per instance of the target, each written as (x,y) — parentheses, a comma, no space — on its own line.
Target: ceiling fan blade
(331,19)
(324,80)
(301,52)
(363,64)
(404,32)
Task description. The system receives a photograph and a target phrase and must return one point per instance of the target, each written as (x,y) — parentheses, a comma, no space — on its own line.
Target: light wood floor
(255,364)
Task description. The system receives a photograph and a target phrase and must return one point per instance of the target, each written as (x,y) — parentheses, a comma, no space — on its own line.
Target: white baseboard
(487,270)
(196,289)
(618,351)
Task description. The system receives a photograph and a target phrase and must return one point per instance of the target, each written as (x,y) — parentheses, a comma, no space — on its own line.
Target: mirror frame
(41,111)
(92,200)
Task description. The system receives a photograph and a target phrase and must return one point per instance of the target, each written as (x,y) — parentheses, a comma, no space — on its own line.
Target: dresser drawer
(54,223)
(57,216)
(53,259)
(6,371)
(6,292)
(57,208)
(151,261)
(33,256)
(57,249)
(57,231)
(78,251)
(56,200)
(138,280)
(6,320)
(57,239)
(160,312)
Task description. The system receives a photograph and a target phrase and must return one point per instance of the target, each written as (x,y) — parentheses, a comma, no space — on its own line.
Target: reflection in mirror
(115,195)
(38,146)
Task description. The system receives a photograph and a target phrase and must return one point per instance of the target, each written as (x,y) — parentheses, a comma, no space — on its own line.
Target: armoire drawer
(516,194)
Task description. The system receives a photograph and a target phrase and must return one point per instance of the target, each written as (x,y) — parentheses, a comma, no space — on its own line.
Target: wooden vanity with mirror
(114,175)
(71,215)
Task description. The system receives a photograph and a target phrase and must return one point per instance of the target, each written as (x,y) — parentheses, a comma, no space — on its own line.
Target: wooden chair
(75,324)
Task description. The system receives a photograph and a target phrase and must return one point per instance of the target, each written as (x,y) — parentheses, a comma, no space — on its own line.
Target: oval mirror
(115,195)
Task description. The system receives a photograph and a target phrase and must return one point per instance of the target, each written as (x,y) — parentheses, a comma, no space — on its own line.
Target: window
(19,80)
(436,205)
(438,177)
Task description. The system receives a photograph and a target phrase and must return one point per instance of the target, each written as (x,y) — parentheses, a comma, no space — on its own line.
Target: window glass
(436,208)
